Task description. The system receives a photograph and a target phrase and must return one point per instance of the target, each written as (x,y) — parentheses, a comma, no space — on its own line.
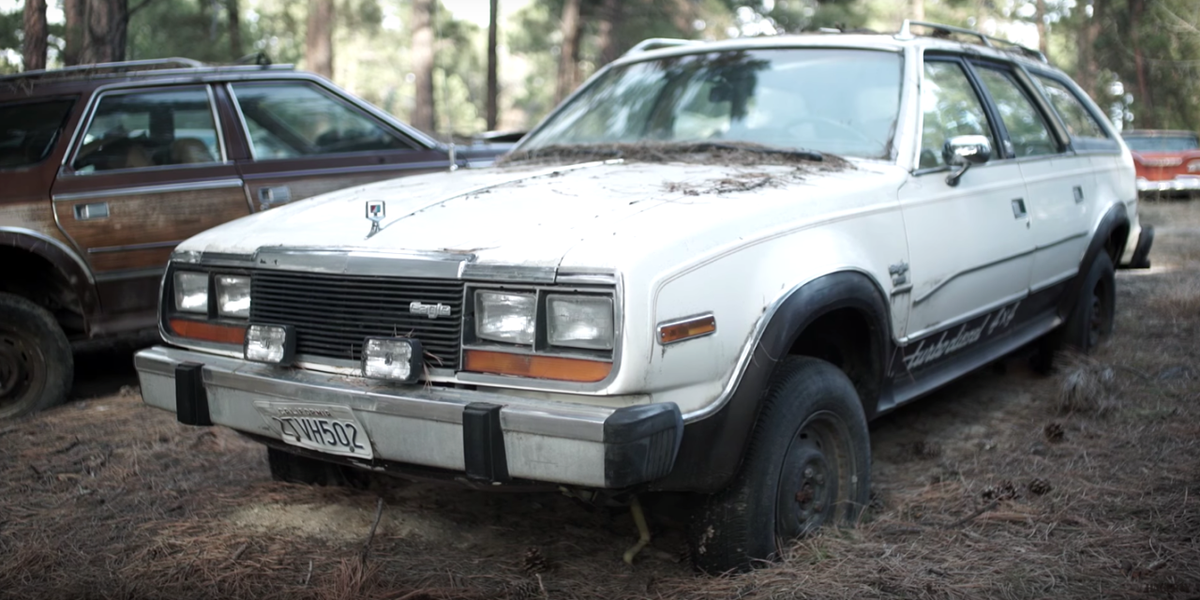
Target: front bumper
(1182,183)
(486,436)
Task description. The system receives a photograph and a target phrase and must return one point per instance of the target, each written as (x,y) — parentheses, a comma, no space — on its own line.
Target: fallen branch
(362,557)
(973,516)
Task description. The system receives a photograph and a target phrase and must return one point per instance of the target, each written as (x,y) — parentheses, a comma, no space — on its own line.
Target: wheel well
(1115,244)
(39,281)
(846,338)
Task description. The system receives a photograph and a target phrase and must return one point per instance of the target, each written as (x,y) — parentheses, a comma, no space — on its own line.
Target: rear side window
(29,131)
(150,129)
(1082,126)
(295,119)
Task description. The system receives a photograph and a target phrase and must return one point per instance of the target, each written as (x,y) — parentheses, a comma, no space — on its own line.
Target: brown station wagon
(105,168)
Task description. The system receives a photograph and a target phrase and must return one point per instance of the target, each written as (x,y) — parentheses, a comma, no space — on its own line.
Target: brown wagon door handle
(268,196)
(89,212)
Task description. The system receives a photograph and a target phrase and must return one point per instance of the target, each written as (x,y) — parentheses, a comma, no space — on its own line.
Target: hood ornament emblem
(376,211)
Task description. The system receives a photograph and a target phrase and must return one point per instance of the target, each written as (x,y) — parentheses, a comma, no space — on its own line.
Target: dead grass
(1003,485)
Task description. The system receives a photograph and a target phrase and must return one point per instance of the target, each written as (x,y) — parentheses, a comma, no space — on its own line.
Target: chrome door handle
(268,195)
(89,212)
(1018,206)
(1078,194)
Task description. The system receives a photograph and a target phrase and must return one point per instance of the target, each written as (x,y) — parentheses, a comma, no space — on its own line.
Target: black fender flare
(712,447)
(69,264)
(1115,218)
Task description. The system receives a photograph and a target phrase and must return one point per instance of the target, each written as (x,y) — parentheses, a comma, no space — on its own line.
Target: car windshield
(839,101)
(1162,143)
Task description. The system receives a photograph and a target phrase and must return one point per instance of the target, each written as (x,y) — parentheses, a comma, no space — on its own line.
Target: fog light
(275,344)
(394,359)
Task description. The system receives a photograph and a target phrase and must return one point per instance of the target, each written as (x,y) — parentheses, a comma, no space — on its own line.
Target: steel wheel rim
(19,368)
(814,483)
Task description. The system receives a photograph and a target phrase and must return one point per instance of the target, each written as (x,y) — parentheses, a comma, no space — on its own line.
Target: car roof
(83,78)
(932,36)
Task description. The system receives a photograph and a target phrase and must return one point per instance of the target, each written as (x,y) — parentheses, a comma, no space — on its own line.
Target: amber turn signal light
(209,332)
(686,329)
(541,367)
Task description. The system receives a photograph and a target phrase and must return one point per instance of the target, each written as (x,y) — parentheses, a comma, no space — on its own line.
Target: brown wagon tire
(808,465)
(36,364)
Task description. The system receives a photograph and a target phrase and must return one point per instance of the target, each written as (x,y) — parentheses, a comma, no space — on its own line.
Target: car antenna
(437,36)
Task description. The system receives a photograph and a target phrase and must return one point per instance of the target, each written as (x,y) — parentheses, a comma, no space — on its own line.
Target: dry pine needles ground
(1004,485)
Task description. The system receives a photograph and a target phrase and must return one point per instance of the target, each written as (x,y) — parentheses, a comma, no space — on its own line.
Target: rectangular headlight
(275,344)
(505,317)
(580,321)
(394,359)
(191,292)
(233,296)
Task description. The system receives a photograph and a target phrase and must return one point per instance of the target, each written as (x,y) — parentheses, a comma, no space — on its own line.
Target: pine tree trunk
(1148,116)
(33,49)
(235,29)
(918,10)
(610,23)
(318,42)
(567,55)
(75,17)
(493,87)
(1089,31)
(105,31)
(422,64)
(1039,14)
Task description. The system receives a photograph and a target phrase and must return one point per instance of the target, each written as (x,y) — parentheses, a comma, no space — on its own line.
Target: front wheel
(36,364)
(808,465)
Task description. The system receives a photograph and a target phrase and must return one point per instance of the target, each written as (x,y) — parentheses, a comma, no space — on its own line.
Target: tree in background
(493,84)
(318,55)
(422,64)
(34,43)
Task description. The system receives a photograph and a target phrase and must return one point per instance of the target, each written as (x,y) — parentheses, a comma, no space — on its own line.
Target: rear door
(147,171)
(305,139)
(1059,183)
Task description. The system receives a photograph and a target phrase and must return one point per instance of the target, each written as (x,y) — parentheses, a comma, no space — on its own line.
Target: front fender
(712,447)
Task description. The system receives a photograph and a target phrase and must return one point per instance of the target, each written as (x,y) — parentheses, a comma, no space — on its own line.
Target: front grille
(333,314)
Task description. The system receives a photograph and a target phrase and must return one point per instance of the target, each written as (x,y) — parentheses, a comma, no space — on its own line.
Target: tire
(1091,320)
(291,468)
(808,464)
(36,364)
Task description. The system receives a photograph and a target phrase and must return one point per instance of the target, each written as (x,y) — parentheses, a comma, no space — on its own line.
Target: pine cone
(1005,490)
(534,562)
(1054,432)
(1039,487)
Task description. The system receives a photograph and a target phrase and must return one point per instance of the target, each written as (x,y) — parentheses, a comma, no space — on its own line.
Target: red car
(1167,162)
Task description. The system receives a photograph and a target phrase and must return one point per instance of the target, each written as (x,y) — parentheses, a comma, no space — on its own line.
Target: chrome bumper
(1186,183)
(538,440)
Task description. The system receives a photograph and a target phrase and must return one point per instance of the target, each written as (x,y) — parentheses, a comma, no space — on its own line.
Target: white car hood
(595,215)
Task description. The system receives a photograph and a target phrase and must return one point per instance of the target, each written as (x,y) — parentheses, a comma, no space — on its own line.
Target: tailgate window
(29,131)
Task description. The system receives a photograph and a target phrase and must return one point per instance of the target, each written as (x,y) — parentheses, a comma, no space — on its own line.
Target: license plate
(331,429)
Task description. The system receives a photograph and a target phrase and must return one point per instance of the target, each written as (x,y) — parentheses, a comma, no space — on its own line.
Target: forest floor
(1085,484)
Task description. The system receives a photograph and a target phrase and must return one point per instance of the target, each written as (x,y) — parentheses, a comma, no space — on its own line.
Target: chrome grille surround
(334,313)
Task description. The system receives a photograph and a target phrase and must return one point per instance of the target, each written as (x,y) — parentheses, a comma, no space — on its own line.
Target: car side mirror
(962,151)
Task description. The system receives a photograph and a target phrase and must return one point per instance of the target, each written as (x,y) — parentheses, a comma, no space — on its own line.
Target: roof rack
(656,43)
(986,40)
(127,66)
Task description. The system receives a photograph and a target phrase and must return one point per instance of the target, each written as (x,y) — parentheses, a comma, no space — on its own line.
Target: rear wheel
(808,465)
(1091,320)
(36,364)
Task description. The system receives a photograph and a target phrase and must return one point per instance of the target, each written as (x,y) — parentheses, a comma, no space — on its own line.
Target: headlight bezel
(541,343)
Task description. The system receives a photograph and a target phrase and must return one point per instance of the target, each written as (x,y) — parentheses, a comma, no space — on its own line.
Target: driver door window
(951,108)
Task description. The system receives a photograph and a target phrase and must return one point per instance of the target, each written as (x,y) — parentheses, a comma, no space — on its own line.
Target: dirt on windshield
(1005,484)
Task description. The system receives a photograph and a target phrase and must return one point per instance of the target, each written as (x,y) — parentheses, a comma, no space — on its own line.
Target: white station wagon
(705,272)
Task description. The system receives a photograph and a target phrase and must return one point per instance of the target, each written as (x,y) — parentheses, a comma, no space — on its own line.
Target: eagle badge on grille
(376,210)
(432,311)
